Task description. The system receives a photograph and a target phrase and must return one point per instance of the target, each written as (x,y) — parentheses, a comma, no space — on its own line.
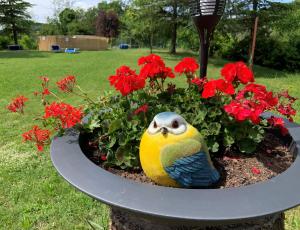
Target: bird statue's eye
(175,124)
(154,125)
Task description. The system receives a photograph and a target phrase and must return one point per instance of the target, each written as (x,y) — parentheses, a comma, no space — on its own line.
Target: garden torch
(206,14)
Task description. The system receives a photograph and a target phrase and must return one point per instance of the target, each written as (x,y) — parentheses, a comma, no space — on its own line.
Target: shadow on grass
(259,71)
(218,63)
(175,57)
(23,54)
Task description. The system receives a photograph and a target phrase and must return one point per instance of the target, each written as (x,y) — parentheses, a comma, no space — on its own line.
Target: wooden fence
(82,42)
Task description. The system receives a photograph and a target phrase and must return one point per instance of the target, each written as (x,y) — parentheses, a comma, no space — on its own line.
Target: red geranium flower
(103,157)
(17,104)
(67,114)
(67,84)
(285,107)
(40,136)
(153,66)
(46,91)
(278,122)
(196,81)
(255,171)
(167,72)
(243,110)
(126,80)
(187,65)
(237,72)
(258,93)
(141,109)
(211,87)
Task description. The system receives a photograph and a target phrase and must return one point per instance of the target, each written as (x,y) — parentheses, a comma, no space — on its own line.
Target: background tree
(14,17)
(176,14)
(107,24)
(60,5)
(66,17)
(116,6)
(145,21)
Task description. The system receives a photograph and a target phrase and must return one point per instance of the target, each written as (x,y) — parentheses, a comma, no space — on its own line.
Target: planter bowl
(163,206)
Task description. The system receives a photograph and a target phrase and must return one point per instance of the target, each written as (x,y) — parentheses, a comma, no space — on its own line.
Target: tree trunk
(151,43)
(174,28)
(15,34)
(253,19)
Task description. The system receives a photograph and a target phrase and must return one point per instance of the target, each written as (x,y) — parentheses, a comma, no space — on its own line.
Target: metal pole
(204,44)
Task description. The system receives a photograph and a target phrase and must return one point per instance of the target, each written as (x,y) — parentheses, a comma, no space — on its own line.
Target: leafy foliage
(107,24)
(28,42)
(14,17)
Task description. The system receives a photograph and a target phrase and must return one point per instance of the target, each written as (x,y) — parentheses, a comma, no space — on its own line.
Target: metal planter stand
(143,206)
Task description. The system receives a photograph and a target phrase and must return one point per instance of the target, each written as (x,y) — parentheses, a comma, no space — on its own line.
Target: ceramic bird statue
(173,153)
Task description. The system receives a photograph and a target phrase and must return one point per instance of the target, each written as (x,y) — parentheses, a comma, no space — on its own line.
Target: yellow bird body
(150,153)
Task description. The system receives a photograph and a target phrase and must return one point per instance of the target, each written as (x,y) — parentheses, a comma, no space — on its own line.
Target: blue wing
(193,171)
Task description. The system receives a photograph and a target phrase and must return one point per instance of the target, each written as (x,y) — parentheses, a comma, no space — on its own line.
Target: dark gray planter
(142,206)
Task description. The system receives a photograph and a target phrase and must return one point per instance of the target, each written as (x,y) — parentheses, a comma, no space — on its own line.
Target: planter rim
(211,205)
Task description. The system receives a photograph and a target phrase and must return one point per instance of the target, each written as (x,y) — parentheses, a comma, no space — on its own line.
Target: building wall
(82,42)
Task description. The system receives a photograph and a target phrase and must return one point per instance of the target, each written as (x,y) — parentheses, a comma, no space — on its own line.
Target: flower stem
(53,94)
(84,95)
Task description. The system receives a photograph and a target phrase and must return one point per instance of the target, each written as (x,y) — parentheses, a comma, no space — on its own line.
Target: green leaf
(115,125)
(122,139)
(215,147)
(214,128)
(113,141)
(120,153)
(214,111)
(200,116)
(228,138)
(212,145)
(247,146)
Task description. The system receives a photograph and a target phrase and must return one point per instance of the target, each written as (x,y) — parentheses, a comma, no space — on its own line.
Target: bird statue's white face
(167,122)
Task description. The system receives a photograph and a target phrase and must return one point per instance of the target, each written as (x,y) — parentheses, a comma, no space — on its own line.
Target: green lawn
(32,195)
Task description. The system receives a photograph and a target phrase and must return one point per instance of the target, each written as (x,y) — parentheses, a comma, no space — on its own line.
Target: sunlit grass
(32,195)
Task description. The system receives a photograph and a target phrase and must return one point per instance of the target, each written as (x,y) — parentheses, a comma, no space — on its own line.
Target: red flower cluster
(126,80)
(187,65)
(45,82)
(67,84)
(278,122)
(40,136)
(67,114)
(141,109)
(154,67)
(259,94)
(237,72)
(250,103)
(213,86)
(198,81)
(286,105)
(45,92)
(243,110)
(17,104)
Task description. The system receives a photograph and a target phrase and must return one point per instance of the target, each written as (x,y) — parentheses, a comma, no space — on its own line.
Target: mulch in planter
(271,158)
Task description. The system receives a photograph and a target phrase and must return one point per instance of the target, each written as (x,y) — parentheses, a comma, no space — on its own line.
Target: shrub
(4,42)
(226,111)
(28,43)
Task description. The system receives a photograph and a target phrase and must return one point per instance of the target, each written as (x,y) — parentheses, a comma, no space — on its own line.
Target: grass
(32,194)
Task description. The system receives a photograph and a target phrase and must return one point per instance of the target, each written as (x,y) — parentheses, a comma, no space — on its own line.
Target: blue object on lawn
(71,50)
(15,47)
(55,48)
(124,46)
